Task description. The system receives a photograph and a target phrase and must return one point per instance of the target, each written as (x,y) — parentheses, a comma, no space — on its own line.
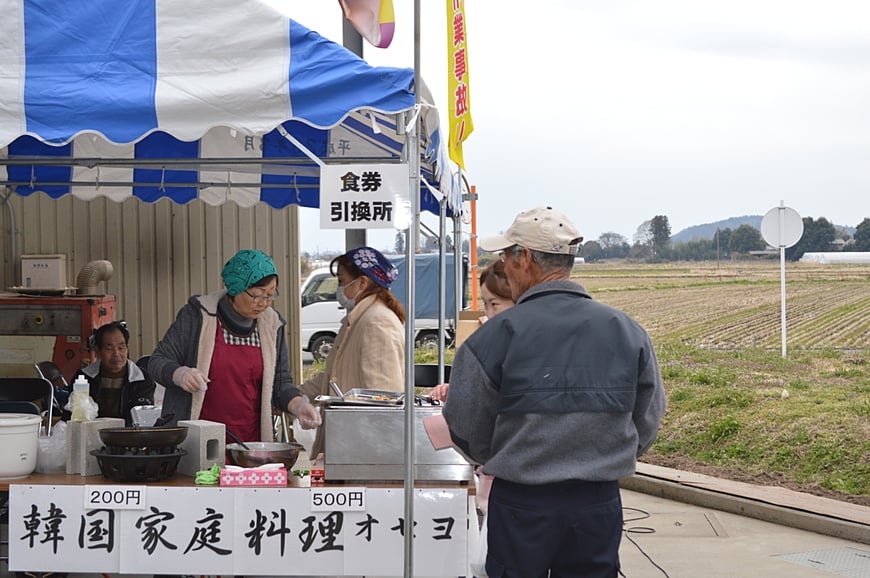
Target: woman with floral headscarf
(369,350)
(224,359)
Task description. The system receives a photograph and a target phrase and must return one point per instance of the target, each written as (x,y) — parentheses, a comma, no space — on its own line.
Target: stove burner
(140,451)
(141,465)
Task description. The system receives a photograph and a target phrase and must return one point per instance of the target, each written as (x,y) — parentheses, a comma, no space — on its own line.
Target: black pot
(137,468)
(141,437)
(426,374)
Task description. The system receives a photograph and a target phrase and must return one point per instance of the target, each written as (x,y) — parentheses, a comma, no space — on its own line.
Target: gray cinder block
(90,466)
(74,447)
(82,438)
(205,444)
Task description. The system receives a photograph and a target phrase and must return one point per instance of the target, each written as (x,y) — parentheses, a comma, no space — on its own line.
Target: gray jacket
(189,342)
(559,387)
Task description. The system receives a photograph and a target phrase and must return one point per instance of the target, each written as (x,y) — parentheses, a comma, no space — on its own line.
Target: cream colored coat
(369,352)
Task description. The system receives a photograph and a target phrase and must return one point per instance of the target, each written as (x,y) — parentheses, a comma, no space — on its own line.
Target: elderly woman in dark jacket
(224,359)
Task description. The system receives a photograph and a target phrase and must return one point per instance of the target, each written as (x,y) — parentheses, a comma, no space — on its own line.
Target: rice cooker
(19,443)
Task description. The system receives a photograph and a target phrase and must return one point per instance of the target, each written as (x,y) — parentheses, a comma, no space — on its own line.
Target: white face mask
(343,299)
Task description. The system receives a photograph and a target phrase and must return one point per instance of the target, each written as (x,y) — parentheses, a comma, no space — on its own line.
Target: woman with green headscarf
(224,358)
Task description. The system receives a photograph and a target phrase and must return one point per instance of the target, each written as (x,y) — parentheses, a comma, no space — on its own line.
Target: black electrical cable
(638,515)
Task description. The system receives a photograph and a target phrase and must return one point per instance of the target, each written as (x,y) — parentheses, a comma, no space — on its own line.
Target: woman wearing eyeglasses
(369,350)
(224,358)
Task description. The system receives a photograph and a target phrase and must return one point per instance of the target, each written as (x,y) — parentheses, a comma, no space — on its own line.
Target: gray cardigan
(189,342)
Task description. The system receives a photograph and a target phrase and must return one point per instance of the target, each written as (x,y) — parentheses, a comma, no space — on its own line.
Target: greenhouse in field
(837,257)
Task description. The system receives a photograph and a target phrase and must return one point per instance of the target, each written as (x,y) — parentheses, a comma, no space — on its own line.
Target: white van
(322,314)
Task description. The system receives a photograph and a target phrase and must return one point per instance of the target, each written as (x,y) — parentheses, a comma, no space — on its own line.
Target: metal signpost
(782,227)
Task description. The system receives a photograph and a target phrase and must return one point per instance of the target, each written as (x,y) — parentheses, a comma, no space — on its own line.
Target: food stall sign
(239,530)
(338,499)
(364,196)
(120,497)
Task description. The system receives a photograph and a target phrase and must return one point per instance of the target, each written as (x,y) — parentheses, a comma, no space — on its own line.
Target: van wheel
(427,342)
(321,347)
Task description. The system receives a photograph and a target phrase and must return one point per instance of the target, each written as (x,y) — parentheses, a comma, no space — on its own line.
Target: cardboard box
(43,271)
(469,321)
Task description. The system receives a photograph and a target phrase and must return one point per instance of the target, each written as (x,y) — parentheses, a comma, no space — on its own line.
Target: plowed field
(736,306)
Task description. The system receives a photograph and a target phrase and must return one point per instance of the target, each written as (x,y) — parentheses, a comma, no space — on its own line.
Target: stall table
(72,523)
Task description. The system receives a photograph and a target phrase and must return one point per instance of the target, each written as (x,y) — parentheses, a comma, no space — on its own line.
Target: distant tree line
(652,242)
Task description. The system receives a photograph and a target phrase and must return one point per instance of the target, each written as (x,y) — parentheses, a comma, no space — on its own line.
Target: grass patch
(727,409)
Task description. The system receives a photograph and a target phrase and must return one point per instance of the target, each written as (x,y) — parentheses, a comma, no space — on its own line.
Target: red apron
(235,388)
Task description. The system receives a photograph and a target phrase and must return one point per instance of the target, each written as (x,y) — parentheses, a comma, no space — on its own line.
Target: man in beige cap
(555,397)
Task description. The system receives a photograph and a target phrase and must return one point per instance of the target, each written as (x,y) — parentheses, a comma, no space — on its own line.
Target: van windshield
(322,288)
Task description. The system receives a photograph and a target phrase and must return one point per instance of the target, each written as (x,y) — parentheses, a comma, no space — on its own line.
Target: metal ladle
(237,439)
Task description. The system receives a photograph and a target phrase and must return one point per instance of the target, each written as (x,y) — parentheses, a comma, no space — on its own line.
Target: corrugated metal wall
(161,252)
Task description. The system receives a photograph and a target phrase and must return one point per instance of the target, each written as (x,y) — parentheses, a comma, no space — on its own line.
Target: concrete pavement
(665,538)
(683,525)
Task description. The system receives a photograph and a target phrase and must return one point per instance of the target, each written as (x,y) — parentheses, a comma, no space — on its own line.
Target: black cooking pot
(139,437)
(426,374)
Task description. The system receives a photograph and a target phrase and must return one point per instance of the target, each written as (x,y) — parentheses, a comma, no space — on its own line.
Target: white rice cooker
(19,442)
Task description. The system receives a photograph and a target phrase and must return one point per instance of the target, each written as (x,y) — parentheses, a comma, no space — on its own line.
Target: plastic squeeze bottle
(80,394)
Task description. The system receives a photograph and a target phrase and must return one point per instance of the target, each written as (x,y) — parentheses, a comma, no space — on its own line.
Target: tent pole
(283,132)
(353,41)
(293,288)
(442,280)
(458,272)
(413,155)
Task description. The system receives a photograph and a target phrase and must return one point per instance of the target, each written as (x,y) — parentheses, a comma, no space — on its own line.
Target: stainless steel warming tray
(367,443)
(365,397)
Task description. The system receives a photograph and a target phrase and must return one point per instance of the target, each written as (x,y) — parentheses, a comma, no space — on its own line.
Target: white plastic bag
(89,408)
(51,452)
(478,561)
(304,436)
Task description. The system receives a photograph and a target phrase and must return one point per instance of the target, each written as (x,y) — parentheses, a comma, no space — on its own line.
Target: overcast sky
(616,111)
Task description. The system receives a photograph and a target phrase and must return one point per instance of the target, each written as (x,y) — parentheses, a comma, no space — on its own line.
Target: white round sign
(782,227)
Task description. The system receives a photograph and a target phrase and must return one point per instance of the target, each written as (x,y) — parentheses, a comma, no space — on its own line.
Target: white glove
(307,414)
(190,379)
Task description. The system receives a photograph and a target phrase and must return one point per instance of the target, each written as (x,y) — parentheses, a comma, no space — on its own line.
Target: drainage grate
(849,562)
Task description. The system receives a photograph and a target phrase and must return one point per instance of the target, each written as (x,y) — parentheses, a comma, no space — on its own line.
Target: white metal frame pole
(413,153)
(442,282)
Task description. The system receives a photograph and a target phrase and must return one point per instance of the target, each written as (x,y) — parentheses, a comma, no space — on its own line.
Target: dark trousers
(563,530)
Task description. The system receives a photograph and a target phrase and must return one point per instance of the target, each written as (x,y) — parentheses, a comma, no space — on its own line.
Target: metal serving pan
(365,397)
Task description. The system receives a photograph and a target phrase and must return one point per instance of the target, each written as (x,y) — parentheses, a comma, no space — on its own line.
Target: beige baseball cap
(542,229)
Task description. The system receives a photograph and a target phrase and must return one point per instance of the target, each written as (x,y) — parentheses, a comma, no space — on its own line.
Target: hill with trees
(729,238)
(708,230)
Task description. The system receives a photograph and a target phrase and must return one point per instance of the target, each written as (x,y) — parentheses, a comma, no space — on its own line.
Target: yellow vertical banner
(459,93)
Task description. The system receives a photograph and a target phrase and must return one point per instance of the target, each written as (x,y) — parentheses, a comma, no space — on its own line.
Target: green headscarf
(245,269)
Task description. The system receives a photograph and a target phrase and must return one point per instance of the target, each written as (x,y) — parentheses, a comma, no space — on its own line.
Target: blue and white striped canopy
(211,99)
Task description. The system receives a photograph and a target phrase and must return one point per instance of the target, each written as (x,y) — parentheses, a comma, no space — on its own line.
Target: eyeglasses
(503,255)
(262,298)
